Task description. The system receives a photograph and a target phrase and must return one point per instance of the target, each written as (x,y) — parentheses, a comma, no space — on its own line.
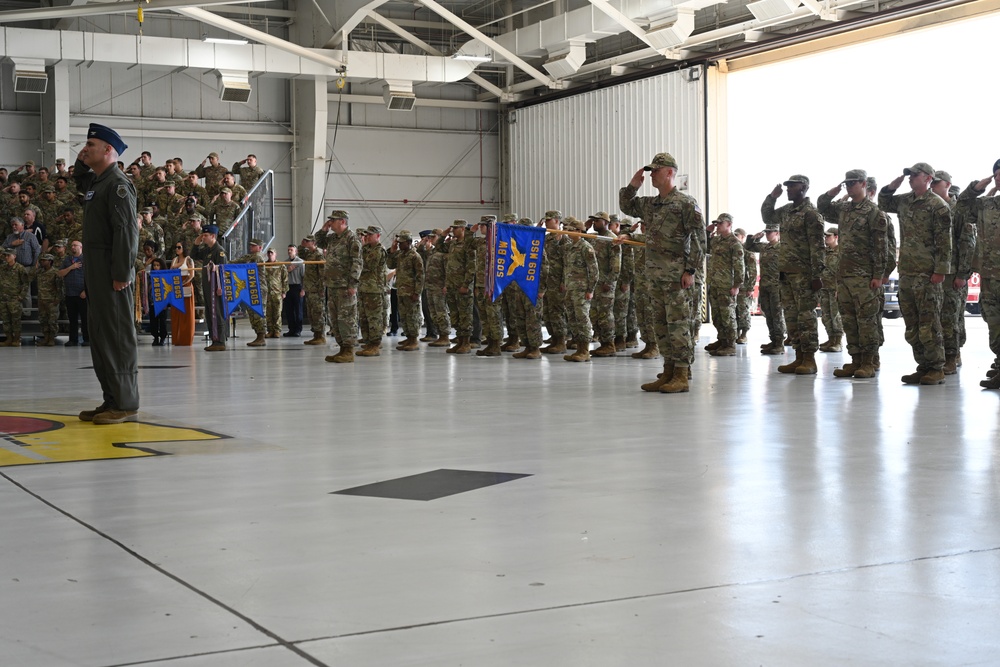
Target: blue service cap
(105,133)
(211,229)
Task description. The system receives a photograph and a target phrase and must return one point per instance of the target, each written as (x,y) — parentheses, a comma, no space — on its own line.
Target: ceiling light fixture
(472,59)
(223,40)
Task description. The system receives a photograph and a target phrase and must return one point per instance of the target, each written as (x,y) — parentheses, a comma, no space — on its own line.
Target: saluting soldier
(315,289)
(602,309)
(343,272)
(212,174)
(726,271)
(255,255)
(249,172)
(14,279)
(372,315)
(579,280)
(956,283)
(50,294)
(459,282)
(276,279)
(553,298)
(409,267)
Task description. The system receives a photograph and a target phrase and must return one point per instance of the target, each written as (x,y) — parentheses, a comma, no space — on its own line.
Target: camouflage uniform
(890,234)
(14,281)
(769,295)
(434,284)
(828,309)
(50,296)
(276,280)
(862,255)
(602,308)
(624,296)
(726,269)
(258,323)
(643,303)
(460,272)
(675,244)
(490,310)
(744,300)
(223,215)
(963,245)
(985,211)
(153,232)
(371,294)
(409,284)
(315,288)
(800,260)
(925,235)
(343,271)
(554,301)
(526,317)
(248,175)
(213,178)
(580,276)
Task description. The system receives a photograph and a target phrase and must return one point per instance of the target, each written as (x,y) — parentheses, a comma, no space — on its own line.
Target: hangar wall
(574,154)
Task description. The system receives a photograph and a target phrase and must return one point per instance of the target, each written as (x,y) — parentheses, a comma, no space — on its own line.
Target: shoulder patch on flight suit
(122,191)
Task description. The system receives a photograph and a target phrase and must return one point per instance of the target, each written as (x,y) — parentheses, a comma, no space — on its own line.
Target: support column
(55,117)
(310,110)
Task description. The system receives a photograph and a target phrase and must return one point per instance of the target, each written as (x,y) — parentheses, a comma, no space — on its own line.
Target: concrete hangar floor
(497,512)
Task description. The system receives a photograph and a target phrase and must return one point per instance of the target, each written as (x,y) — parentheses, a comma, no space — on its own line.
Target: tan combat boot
(661,378)
(428,339)
(258,341)
(713,346)
(512,344)
(848,370)
(988,383)
(678,381)
(464,345)
(632,344)
(216,346)
(607,349)
(726,349)
(651,351)
(492,349)
(369,350)
(932,377)
(774,347)
(808,364)
(741,339)
(317,339)
(950,364)
(582,352)
(877,361)
(50,341)
(914,378)
(790,368)
(442,341)
(529,352)
(835,344)
(409,345)
(866,369)
(557,346)
(344,356)
(620,343)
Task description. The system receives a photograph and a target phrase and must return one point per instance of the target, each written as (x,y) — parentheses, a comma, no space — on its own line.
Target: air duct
(765,10)
(565,61)
(30,76)
(234,86)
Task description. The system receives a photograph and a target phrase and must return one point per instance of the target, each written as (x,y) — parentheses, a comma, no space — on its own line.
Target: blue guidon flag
(241,284)
(167,289)
(514,254)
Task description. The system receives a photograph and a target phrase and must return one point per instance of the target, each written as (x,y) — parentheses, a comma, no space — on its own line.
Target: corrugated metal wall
(574,154)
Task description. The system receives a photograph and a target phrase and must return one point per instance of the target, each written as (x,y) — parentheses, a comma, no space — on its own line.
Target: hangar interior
(271,510)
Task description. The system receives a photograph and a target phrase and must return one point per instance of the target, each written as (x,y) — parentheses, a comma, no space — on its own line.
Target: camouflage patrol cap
(257,242)
(941,175)
(490,218)
(459,223)
(723,217)
(661,160)
(338,215)
(856,175)
(772,228)
(510,217)
(614,218)
(600,215)
(573,225)
(553,214)
(438,232)
(739,231)
(919,167)
(214,154)
(361,231)
(527,222)
(404,235)
(210,229)
(60,160)
(60,242)
(47,256)
(29,163)
(146,209)
(223,190)
(309,239)
(48,188)
(374,229)
(832,231)
(871,183)
(797,178)
(10,251)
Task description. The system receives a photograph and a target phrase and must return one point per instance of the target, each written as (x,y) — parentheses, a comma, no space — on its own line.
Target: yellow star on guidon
(35,437)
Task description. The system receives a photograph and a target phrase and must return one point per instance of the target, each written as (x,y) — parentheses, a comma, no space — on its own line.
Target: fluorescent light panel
(223,40)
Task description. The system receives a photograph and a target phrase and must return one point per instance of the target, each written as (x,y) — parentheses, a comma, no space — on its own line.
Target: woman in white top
(182,323)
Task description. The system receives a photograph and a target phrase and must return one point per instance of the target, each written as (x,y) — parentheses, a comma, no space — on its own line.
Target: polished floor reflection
(760,519)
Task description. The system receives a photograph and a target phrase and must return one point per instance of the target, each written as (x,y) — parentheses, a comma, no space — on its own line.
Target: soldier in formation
(726,271)
(409,267)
